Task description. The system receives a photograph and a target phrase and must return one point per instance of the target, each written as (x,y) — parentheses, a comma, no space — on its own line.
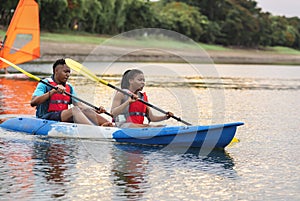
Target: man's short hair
(58,62)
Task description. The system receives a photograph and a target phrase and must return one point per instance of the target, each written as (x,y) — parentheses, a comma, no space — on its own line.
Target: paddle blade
(19,69)
(78,67)
(233,141)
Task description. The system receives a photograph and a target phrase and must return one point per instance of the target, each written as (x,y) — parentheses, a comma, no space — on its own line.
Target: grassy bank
(97,39)
(86,38)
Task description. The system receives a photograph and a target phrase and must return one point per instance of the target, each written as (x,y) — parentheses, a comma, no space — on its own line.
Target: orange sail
(22,40)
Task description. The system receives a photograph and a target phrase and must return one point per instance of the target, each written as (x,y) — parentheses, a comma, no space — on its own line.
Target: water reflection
(135,165)
(16,172)
(128,169)
(15,96)
(34,167)
(54,158)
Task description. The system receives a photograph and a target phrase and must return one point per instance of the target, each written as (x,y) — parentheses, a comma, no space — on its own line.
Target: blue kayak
(211,136)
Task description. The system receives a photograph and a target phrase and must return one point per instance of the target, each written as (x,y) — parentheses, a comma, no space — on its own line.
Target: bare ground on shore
(51,51)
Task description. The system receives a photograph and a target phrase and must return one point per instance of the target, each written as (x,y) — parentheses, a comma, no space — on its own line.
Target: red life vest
(59,102)
(135,112)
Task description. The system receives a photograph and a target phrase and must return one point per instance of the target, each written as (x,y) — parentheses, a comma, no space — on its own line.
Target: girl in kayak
(128,111)
(53,104)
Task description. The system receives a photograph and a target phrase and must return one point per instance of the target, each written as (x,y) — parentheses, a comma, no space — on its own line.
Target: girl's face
(137,83)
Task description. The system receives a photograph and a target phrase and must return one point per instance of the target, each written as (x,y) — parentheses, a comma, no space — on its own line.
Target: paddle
(48,84)
(86,72)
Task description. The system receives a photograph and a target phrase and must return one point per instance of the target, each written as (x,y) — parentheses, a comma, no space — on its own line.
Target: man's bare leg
(76,114)
(96,118)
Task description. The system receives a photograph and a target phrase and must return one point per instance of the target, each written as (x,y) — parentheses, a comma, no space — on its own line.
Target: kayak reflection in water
(53,104)
(127,111)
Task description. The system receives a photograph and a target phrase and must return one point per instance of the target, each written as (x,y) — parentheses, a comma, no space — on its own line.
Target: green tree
(241,25)
(113,16)
(74,12)
(91,14)
(295,23)
(139,14)
(182,18)
(265,30)
(52,14)
(7,9)
(283,34)
(211,33)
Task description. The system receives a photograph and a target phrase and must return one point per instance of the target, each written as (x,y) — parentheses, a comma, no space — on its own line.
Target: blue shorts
(55,116)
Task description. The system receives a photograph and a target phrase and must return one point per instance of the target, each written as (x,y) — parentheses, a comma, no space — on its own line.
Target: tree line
(224,22)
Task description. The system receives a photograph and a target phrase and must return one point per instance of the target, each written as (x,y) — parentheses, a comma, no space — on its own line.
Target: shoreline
(50,51)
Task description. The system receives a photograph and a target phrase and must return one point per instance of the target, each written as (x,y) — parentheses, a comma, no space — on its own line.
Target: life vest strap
(59,102)
(137,114)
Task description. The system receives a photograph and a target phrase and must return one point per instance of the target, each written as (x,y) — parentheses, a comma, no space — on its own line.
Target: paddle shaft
(147,103)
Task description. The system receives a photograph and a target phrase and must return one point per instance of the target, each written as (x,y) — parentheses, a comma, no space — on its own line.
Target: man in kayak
(127,111)
(53,104)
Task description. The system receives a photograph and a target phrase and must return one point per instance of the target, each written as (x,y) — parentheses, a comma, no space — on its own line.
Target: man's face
(62,73)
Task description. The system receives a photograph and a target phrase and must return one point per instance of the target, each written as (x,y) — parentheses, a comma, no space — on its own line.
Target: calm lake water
(264,165)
